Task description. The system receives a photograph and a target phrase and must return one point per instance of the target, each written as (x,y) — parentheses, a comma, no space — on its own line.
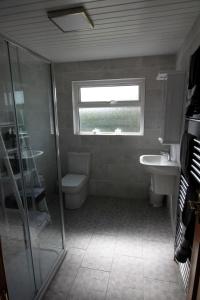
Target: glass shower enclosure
(31,220)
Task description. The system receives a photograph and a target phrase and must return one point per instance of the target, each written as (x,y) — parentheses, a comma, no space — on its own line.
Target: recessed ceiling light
(71,19)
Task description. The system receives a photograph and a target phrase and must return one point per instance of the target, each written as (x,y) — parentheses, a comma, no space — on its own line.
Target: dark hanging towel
(193,109)
(186,153)
(183,252)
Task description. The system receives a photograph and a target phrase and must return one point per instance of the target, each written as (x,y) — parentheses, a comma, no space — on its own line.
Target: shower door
(14,233)
(33,102)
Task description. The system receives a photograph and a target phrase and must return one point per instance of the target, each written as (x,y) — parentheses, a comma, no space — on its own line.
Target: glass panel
(110,119)
(13,222)
(110,93)
(32,88)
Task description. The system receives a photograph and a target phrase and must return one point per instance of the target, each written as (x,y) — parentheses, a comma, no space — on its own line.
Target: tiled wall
(115,159)
(191,43)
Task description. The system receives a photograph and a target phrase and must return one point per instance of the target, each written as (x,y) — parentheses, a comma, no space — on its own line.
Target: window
(108,107)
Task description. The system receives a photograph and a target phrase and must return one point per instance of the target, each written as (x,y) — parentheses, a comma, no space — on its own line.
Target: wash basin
(163,173)
(159,164)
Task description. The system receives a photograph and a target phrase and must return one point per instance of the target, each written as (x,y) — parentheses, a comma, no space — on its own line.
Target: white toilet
(75,182)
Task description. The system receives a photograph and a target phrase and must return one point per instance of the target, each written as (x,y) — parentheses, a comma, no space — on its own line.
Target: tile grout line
(111,268)
(73,280)
(149,220)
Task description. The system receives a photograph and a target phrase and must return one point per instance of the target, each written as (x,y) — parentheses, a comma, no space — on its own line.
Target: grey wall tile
(115,167)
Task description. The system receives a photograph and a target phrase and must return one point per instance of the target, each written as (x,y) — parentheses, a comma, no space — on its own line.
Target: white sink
(163,173)
(159,164)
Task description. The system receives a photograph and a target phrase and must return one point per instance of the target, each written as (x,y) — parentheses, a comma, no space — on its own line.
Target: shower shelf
(38,193)
(11,150)
(17,176)
(31,154)
(25,154)
(7,124)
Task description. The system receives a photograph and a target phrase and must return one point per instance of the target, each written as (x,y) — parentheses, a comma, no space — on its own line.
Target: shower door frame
(41,291)
(45,285)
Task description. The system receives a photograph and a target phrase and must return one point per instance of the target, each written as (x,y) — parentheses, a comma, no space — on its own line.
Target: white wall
(115,159)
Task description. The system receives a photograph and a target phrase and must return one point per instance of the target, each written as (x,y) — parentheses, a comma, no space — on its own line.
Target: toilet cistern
(75,182)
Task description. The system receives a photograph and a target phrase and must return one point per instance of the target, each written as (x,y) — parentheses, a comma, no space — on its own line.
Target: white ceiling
(122,28)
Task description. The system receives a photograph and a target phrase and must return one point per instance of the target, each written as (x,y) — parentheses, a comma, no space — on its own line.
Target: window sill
(111,134)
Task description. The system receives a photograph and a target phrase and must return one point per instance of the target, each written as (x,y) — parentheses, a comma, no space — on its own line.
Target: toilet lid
(72,183)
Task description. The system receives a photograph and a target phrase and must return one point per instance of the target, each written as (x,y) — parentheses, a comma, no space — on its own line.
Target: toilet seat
(73,183)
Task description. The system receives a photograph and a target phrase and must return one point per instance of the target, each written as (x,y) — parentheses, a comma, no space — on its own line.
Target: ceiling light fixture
(71,19)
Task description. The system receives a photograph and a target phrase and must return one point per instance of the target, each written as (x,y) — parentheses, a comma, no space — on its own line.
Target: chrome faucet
(167,154)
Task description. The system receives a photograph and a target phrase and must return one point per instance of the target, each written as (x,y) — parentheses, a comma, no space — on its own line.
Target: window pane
(110,93)
(110,119)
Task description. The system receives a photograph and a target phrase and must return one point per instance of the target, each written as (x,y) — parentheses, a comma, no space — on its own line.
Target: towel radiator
(184,267)
(194,180)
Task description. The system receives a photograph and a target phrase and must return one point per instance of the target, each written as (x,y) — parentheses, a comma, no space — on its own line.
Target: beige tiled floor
(118,249)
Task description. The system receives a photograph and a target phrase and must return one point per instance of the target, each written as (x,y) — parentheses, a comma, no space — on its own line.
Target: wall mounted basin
(163,173)
(159,164)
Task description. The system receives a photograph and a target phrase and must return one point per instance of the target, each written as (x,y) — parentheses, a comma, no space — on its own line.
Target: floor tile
(103,244)
(78,239)
(108,228)
(129,245)
(73,257)
(62,283)
(154,249)
(85,294)
(97,261)
(161,269)
(54,295)
(158,232)
(127,272)
(124,293)
(117,249)
(162,291)
(89,283)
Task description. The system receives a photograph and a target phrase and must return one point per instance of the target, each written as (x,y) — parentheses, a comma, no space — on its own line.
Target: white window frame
(76,100)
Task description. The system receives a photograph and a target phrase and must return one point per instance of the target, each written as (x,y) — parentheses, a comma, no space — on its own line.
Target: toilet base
(74,201)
